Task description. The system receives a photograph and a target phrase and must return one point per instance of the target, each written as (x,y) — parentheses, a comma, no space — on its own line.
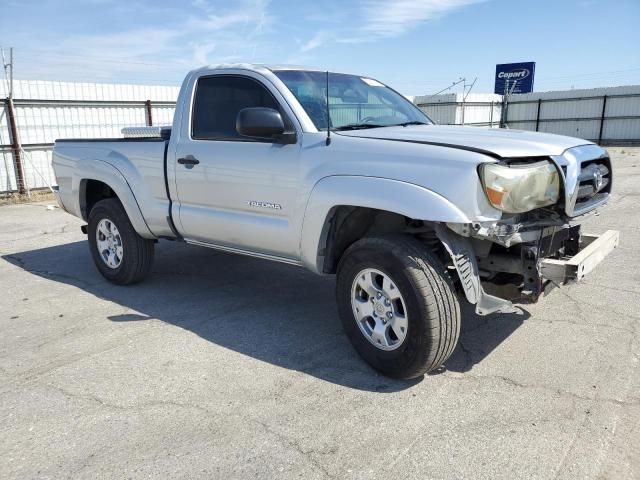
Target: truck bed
(140,162)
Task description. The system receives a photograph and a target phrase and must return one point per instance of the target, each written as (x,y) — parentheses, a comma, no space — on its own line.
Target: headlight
(520,188)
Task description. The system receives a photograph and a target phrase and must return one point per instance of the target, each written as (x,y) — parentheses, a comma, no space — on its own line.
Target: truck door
(235,191)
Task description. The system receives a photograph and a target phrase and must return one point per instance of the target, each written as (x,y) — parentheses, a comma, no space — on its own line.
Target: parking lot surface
(221,366)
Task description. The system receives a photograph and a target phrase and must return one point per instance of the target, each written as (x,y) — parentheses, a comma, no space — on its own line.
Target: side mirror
(263,123)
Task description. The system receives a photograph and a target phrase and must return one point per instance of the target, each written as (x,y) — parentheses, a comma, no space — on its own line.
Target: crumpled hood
(497,141)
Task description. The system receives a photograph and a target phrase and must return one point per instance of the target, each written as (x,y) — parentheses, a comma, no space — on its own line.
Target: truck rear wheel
(397,305)
(120,254)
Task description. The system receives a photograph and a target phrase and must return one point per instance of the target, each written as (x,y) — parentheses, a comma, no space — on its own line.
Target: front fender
(111,176)
(394,196)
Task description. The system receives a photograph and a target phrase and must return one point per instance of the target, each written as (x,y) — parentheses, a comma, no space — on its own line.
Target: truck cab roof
(257,67)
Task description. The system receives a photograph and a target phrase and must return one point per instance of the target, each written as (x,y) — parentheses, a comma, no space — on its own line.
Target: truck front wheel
(397,305)
(121,255)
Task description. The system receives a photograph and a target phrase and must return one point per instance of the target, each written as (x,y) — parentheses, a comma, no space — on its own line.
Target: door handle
(189,160)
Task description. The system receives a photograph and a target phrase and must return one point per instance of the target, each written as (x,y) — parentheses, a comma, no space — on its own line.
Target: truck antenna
(328,142)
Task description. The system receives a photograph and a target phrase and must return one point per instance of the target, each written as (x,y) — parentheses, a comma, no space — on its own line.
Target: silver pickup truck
(342,175)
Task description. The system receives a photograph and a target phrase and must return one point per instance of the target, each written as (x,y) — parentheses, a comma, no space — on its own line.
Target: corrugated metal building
(482,109)
(608,115)
(45,111)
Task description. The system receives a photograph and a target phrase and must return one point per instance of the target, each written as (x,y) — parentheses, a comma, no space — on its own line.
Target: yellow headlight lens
(521,188)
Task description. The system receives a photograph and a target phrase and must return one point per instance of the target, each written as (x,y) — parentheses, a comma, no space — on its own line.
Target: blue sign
(514,78)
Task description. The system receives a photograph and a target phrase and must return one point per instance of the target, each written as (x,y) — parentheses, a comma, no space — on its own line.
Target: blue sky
(416,46)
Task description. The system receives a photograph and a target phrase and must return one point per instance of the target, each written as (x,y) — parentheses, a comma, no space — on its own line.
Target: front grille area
(594,183)
(587,178)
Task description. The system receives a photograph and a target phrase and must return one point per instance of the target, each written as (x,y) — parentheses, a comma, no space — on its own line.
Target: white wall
(43,89)
(44,123)
(447,109)
(590,106)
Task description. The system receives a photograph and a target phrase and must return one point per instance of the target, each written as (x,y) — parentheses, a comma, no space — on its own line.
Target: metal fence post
(16,148)
(538,115)
(149,116)
(602,118)
(503,112)
(491,115)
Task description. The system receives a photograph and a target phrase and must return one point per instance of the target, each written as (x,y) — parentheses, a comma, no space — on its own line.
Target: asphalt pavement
(222,366)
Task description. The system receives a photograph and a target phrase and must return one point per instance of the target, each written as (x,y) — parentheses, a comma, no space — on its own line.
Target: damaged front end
(526,253)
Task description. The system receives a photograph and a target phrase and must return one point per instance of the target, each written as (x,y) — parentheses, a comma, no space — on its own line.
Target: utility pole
(11,71)
(465,94)
(464,89)
(16,148)
(505,102)
(8,70)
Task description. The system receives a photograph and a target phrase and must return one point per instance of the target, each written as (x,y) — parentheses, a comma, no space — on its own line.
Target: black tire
(138,252)
(433,311)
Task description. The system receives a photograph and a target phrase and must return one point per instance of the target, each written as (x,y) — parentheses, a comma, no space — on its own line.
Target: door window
(217,102)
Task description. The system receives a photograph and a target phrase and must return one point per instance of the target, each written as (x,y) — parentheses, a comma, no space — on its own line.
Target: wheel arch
(105,181)
(343,209)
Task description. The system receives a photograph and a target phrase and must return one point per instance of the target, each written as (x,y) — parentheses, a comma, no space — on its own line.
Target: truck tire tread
(138,251)
(435,299)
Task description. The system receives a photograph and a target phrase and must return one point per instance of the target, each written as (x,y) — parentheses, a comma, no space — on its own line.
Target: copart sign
(514,78)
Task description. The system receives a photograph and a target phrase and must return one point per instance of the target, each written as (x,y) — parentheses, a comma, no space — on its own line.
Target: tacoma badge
(275,206)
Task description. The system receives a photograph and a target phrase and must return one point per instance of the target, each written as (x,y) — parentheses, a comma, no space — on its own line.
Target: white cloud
(207,31)
(200,36)
(244,13)
(236,30)
(220,22)
(317,40)
(385,19)
(201,52)
(140,52)
(382,19)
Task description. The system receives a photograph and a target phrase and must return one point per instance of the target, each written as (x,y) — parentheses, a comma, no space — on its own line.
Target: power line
(448,88)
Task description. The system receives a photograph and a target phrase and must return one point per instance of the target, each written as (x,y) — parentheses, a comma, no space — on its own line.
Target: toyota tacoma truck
(342,175)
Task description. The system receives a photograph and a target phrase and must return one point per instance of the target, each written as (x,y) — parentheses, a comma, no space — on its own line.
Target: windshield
(354,102)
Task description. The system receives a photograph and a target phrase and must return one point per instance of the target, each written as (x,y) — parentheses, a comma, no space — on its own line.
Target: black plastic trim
(172,225)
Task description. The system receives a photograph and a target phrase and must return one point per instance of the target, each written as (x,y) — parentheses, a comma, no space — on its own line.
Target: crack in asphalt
(609,287)
(114,406)
(582,324)
(580,303)
(319,457)
(57,231)
(558,391)
(567,451)
(306,453)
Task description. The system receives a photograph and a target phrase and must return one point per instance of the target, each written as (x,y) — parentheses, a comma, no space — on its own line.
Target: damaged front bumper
(592,250)
(520,263)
